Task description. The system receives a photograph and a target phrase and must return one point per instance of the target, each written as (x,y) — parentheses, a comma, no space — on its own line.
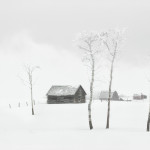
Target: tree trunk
(32,101)
(108,115)
(90,120)
(108,111)
(110,84)
(148,120)
(91,93)
(32,111)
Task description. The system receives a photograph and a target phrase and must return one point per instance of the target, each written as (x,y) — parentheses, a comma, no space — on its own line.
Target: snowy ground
(65,127)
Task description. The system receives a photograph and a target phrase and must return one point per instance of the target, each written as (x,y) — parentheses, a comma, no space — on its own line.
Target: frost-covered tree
(148,117)
(29,70)
(89,43)
(148,120)
(112,40)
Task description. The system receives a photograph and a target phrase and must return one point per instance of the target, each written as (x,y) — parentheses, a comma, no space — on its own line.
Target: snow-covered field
(65,127)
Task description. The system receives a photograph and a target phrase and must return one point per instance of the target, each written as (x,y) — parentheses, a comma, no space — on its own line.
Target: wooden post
(19,104)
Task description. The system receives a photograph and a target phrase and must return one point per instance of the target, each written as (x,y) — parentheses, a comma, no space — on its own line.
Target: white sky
(41,32)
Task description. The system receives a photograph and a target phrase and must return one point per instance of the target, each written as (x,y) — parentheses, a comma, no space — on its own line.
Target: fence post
(9,106)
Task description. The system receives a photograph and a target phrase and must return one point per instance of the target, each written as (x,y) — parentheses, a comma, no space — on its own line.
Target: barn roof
(57,90)
(105,94)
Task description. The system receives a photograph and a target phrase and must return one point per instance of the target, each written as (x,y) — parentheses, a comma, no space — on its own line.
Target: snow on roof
(105,94)
(57,90)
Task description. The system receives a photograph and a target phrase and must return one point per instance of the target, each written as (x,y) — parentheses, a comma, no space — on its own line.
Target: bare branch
(83,48)
(106,44)
(26,83)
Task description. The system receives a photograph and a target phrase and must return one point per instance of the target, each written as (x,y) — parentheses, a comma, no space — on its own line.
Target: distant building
(143,96)
(125,98)
(104,95)
(139,96)
(66,94)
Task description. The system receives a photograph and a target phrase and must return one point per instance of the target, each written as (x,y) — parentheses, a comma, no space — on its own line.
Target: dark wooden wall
(60,99)
(79,97)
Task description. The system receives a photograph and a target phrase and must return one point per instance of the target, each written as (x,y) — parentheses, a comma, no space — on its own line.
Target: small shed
(66,94)
(104,95)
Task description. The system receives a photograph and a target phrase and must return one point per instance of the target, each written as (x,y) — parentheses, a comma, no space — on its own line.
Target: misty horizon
(42,33)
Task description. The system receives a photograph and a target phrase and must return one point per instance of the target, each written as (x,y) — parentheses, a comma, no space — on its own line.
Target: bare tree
(148,120)
(29,71)
(112,41)
(88,42)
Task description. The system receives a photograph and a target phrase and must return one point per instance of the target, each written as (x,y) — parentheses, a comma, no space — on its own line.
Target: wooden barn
(104,95)
(139,96)
(66,94)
